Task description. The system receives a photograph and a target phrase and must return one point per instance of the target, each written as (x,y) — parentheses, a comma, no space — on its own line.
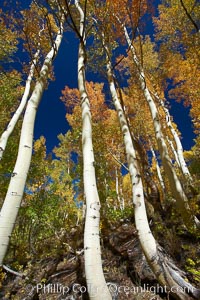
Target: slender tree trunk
(179,148)
(166,273)
(122,204)
(176,187)
(96,283)
(158,171)
(174,151)
(5,135)
(117,185)
(16,187)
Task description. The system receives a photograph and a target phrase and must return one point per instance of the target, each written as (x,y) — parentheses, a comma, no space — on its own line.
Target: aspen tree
(162,184)
(11,125)
(96,283)
(16,187)
(176,187)
(5,135)
(165,271)
(179,149)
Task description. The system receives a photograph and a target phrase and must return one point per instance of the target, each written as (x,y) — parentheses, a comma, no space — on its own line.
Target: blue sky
(51,121)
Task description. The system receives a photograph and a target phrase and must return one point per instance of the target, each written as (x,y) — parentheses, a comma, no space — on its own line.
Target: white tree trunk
(5,135)
(158,171)
(144,232)
(117,189)
(16,187)
(166,273)
(174,151)
(179,149)
(176,188)
(96,283)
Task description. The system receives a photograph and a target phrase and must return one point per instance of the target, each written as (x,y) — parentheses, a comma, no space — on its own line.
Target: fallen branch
(13,272)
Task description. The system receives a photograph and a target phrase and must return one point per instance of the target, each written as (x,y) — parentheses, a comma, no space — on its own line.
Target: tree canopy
(116,202)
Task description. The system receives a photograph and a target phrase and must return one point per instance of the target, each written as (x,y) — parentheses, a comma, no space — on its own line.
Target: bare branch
(12,272)
(117,160)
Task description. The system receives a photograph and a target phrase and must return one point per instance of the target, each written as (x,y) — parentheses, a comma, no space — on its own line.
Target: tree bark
(176,187)
(16,187)
(162,184)
(173,151)
(179,148)
(5,135)
(96,283)
(166,275)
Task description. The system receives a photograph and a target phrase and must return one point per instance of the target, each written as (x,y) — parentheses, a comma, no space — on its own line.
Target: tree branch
(12,272)
(189,16)
(117,160)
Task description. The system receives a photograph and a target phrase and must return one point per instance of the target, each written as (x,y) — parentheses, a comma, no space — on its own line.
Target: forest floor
(61,275)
